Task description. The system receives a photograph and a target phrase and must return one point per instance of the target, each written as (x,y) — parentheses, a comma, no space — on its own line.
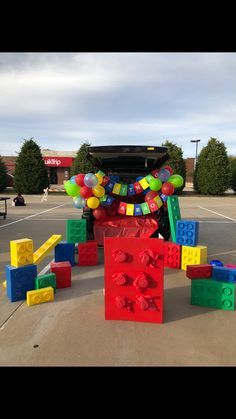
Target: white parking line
(31,216)
(217,213)
(46,268)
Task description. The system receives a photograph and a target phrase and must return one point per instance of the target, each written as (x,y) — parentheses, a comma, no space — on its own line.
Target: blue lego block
(220,273)
(19,281)
(187,232)
(65,252)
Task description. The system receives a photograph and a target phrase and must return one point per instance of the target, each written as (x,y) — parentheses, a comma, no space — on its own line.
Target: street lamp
(195,141)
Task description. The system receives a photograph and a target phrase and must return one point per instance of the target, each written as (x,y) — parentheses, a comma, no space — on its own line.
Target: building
(58,165)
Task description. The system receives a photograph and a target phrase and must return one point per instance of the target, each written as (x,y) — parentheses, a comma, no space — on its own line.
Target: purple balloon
(163,175)
(90,180)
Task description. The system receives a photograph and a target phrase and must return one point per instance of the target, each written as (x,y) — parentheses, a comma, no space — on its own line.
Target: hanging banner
(116,189)
(152,205)
(109,187)
(155,173)
(138,188)
(143,182)
(137,210)
(145,208)
(149,178)
(130,209)
(123,190)
(122,208)
(131,190)
(158,201)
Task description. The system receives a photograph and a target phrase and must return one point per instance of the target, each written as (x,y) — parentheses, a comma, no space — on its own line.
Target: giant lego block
(43,295)
(19,281)
(224,274)
(21,252)
(187,232)
(199,271)
(214,294)
(63,273)
(76,231)
(44,281)
(88,253)
(172,255)
(193,256)
(174,214)
(134,272)
(65,252)
(43,250)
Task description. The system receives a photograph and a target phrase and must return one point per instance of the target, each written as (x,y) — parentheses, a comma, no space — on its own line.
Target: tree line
(214,173)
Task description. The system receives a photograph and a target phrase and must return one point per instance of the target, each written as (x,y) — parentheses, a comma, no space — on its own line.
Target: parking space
(72,330)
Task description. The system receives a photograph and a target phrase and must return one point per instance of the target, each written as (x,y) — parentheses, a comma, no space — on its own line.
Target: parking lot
(72,330)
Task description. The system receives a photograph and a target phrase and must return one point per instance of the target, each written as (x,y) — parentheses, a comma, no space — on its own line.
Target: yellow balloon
(93,202)
(98,191)
(100,178)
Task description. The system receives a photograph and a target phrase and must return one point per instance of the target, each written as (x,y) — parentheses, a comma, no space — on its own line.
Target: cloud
(62,99)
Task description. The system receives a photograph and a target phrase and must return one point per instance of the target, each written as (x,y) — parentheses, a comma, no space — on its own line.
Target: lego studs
(123,302)
(141,282)
(120,278)
(148,258)
(119,256)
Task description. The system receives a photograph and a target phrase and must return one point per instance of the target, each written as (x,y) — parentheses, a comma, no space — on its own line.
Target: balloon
(155,184)
(90,180)
(72,180)
(150,195)
(145,192)
(93,202)
(216,262)
(100,178)
(79,202)
(71,188)
(176,180)
(167,188)
(98,191)
(85,192)
(139,178)
(163,175)
(80,179)
(169,169)
(99,213)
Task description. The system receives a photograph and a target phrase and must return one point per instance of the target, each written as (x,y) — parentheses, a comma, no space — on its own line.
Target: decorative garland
(131,188)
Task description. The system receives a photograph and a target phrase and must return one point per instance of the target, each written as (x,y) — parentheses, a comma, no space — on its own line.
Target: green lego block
(76,231)
(123,190)
(44,281)
(174,214)
(210,293)
(149,178)
(145,208)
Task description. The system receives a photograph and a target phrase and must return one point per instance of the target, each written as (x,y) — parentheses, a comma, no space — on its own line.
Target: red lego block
(134,276)
(88,253)
(172,255)
(63,273)
(199,271)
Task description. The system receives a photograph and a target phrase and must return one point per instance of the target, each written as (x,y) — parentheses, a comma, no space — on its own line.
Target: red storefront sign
(58,161)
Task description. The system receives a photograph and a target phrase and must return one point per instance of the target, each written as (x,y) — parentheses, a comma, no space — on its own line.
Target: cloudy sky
(63,99)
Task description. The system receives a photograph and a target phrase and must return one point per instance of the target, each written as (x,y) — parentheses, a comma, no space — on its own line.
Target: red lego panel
(134,276)
(172,255)
(88,253)
(199,271)
(63,273)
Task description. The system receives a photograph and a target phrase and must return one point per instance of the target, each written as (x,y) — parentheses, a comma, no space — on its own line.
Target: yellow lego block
(193,256)
(40,254)
(43,295)
(130,209)
(143,182)
(116,188)
(158,201)
(21,252)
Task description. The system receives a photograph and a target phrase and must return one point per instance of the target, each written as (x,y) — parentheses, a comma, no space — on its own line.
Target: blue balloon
(139,178)
(216,262)
(146,191)
(163,175)
(79,202)
(72,180)
(90,180)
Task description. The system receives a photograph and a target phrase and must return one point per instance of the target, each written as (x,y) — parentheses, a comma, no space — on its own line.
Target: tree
(212,175)
(3,176)
(176,161)
(232,165)
(81,164)
(30,172)
(233,178)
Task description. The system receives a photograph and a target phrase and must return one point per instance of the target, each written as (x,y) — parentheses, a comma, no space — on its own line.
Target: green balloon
(176,180)
(72,189)
(155,184)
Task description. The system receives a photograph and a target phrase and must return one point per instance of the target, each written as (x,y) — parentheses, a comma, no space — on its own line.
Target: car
(125,163)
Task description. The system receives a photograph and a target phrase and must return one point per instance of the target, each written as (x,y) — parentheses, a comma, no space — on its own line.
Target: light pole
(195,141)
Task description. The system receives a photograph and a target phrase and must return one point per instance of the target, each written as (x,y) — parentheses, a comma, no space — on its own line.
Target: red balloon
(169,169)
(86,192)
(167,188)
(150,195)
(80,179)
(99,213)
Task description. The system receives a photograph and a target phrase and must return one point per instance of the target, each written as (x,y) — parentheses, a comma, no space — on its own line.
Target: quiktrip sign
(58,161)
